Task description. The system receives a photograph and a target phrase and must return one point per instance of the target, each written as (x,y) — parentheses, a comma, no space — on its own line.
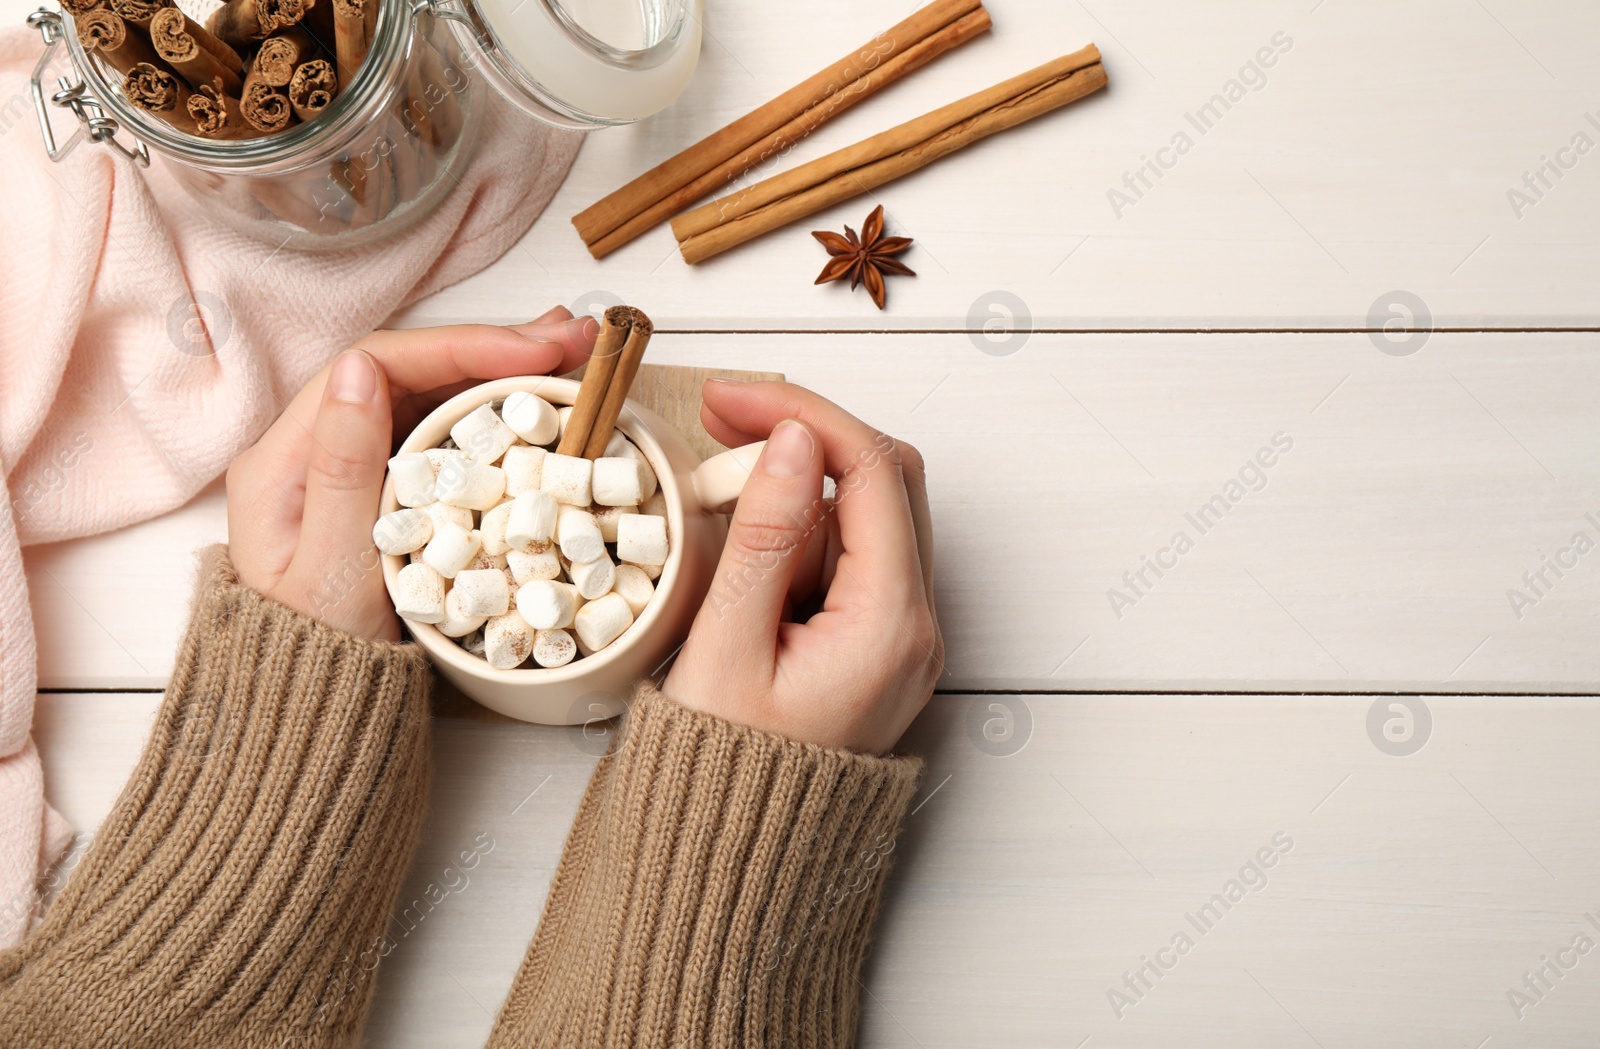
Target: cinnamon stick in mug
(608,347)
(617,390)
(192,50)
(108,34)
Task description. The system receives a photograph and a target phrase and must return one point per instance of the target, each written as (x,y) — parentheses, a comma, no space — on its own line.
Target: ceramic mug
(597,686)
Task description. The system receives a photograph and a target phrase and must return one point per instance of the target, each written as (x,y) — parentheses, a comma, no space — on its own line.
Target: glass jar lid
(582,63)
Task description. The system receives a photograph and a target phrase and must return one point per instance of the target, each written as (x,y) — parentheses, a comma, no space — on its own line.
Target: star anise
(864,259)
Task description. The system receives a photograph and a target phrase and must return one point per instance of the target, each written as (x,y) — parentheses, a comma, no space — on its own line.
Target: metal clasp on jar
(93,124)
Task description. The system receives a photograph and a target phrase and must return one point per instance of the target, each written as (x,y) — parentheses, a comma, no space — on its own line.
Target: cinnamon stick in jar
(83,7)
(217,114)
(237,24)
(157,91)
(312,88)
(192,50)
(108,35)
(280,55)
(265,108)
(139,12)
(350,35)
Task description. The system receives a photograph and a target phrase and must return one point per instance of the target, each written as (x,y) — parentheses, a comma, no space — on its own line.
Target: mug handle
(719,480)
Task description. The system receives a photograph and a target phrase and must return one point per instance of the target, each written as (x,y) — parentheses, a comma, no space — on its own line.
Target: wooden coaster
(673,393)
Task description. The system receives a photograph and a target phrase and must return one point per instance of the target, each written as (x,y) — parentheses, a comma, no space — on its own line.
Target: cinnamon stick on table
(193,51)
(839,176)
(608,348)
(108,34)
(715,161)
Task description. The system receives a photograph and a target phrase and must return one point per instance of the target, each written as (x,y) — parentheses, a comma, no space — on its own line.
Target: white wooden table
(1095,371)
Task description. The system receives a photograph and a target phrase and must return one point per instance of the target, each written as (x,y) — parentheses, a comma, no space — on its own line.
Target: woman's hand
(303,499)
(857,671)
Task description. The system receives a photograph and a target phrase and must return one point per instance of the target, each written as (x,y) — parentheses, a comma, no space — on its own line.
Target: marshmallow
(403,531)
(482,435)
(642,539)
(655,505)
(541,564)
(531,417)
(482,560)
(593,578)
(618,482)
(457,623)
(634,586)
(484,592)
(567,477)
(547,604)
(451,549)
(493,528)
(579,535)
(532,520)
(652,572)
(507,641)
(620,447)
(440,513)
(437,456)
(553,648)
(523,464)
(463,481)
(414,479)
(601,622)
(606,518)
(419,594)
(563,416)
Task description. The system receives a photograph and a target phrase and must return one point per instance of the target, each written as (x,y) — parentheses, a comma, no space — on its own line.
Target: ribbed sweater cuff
(236,894)
(718,888)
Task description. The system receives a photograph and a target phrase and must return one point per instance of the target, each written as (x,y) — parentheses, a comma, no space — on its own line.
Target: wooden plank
(1356,165)
(1407,896)
(1378,555)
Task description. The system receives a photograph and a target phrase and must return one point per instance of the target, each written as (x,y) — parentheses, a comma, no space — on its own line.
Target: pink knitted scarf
(143,346)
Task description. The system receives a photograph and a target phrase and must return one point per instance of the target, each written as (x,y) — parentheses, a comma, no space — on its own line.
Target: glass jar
(395,141)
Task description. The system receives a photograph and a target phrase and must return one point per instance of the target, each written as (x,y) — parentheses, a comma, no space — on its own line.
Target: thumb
(778,512)
(344,478)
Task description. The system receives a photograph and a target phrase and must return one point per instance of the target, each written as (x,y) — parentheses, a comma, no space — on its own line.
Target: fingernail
(353,380)
(789,450)
(587,327)
(726,380)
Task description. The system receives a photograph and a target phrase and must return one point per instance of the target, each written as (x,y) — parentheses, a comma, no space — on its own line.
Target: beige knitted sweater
(717,889)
